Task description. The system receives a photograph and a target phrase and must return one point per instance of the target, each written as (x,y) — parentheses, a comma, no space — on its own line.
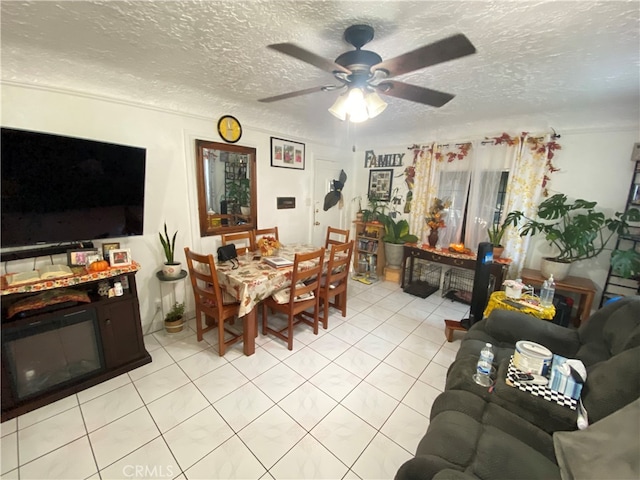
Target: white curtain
(488,162)
(423,192)
(453,185)
(445,172)
(525,190)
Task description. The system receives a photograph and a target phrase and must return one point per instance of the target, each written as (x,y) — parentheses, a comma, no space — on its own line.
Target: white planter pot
(172,270)
(245,211)
(560,270)
(393,254)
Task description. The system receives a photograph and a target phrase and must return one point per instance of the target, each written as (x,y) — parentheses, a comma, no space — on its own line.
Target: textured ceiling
(559,63)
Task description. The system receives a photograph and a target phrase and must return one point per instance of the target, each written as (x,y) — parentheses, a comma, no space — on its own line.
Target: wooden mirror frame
(214,224)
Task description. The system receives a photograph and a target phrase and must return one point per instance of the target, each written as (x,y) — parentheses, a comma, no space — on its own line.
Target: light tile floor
(350,403)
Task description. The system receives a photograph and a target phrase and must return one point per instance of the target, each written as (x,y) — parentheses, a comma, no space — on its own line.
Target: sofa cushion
(464,434)
(607,449)
(609,331)
(546,415)
(612,384)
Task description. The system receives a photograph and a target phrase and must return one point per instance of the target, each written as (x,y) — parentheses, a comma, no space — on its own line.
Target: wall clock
(229,128)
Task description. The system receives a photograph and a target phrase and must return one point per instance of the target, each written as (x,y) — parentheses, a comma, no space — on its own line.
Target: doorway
(325,172)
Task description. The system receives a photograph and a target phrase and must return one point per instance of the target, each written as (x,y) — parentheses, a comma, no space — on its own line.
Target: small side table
(582,286)
(498,301)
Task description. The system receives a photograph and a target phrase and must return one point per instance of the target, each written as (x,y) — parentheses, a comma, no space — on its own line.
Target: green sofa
(504,432)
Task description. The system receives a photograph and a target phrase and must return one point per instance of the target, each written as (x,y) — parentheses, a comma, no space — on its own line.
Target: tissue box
(561,382)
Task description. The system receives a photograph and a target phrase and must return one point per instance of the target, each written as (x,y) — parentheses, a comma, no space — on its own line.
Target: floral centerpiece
(435,219)
(268,245)
(436,214)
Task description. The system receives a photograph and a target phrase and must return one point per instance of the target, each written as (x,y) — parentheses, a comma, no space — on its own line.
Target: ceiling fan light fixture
(357,106)
(375,104)
(339,107)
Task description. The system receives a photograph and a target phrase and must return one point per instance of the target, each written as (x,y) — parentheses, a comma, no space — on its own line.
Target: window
(470,214)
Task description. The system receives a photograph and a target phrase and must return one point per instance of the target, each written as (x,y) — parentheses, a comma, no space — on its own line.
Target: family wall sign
(371,160)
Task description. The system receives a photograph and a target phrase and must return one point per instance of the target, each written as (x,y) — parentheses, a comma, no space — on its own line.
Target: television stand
(54,353)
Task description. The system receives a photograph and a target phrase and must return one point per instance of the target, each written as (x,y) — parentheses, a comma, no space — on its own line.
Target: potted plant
(575,229)
(173,320)
(496,232)
(375,211)
(171,268)
(396,235)
(626,263)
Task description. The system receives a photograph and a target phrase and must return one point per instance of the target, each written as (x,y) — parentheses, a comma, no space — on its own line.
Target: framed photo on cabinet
(119,257)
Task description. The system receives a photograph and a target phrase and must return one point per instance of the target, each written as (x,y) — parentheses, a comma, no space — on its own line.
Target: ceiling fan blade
(414,93)
(292,94)
(309,57)
(441,51)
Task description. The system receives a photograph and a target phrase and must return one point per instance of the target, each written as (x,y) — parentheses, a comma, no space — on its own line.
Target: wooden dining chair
(243,241)
(263,232)
(210,299)
(295,300)
(333,284)
(332,233)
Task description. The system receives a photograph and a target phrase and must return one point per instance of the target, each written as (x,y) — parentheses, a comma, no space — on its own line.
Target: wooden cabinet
(369,247)
(413,254)
(106,330)
(119,321)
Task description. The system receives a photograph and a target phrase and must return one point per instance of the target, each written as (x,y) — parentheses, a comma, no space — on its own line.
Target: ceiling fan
(365,73)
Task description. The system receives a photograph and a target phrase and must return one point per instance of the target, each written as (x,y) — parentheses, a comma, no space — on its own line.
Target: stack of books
(47,272)
(277,262)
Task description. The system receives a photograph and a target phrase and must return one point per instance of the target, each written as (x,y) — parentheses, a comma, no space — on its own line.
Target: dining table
(249,279)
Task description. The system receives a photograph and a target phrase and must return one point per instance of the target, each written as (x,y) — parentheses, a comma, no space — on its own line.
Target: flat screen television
(58,189)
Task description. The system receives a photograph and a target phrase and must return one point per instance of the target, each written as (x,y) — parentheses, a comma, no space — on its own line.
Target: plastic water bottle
(547,292)
(483,369)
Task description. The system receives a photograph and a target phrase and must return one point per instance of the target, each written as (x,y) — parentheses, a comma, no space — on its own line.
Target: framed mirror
(226,176)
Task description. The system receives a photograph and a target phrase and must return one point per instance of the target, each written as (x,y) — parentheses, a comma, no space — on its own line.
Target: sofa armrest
(426,467)
(450,474)
(510,327)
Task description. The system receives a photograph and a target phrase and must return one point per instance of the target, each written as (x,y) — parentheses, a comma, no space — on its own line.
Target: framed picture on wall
(380,184)
(287,154)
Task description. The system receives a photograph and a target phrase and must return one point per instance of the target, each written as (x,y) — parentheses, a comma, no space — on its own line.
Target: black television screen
(59,189)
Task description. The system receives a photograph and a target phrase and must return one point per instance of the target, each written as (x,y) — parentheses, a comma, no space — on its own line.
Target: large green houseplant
(396,234)
(575,228)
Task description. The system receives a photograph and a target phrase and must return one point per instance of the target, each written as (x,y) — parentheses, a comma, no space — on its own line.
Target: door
(325,172)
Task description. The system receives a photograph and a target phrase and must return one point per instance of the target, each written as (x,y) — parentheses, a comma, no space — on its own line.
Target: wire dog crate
(458,285)
(425,279)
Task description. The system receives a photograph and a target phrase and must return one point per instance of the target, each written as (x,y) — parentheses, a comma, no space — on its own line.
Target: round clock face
(229,128)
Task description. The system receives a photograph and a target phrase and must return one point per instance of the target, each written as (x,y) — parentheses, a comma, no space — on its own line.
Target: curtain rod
(554,136)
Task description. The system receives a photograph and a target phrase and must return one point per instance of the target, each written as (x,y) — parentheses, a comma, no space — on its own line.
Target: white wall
(594,166)
(170,189)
